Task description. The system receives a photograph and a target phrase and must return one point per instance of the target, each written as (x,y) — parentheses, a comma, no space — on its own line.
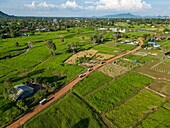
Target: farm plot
(70,112)
(87,53)
(159,119)
(55,68)
(113,70)
(163,67)
(140,59)
(128,61)
(149,69)
(117,91)
(25,61)
(126,46)
(129,113)
(105,50)
(92,82)
(90,57)
(5,70)
(161,86)
(101,56)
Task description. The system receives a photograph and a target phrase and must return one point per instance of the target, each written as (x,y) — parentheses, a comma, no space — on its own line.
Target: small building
(25,34)
(135,61)
(158,38)
(22,91)
(154,44)
(130,42)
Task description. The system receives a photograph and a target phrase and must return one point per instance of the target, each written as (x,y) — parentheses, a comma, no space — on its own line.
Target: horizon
(75,8)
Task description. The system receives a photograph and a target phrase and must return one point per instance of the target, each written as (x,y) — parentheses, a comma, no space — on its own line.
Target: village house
(154,44)
(22,91)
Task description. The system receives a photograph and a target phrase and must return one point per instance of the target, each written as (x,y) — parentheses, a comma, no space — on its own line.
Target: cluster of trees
(51,46)
(73,47)
(97,39)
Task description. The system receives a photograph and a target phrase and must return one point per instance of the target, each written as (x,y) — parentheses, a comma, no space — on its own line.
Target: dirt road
(58,94)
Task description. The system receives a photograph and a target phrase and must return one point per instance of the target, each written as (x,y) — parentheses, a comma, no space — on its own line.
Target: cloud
(32,5)
(121,5)
(71,4)
(88,2)
(44,4)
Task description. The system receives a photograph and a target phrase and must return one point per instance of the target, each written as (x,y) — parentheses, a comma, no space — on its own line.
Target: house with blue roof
(154,44)
(22,91)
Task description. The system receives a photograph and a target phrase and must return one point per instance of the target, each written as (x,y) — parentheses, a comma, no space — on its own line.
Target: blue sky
(84,7)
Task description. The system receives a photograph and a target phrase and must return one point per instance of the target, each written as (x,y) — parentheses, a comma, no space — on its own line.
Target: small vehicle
(43,101)
(80,76)
(89,69)
(102,62)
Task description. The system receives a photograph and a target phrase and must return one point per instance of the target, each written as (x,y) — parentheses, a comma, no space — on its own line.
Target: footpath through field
(58,94)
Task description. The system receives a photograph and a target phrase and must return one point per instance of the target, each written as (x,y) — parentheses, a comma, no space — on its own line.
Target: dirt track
(58,94)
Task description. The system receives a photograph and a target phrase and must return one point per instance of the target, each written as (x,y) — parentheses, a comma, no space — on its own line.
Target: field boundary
(162,95)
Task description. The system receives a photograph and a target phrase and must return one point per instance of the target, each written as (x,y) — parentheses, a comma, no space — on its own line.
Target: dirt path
(155,92)
(58,94)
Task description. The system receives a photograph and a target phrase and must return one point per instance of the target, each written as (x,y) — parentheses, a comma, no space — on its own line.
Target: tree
(22,105)
(51,46)
(62,40)
(16,44)
(1,37)
(68,30)
(82,37)
(30,44)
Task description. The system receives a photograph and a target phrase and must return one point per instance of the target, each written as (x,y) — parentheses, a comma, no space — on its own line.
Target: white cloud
(121,5)
(88,2)
(71,4)
(32,5)
(44,4)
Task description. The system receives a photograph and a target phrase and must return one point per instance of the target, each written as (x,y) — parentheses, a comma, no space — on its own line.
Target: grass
(106,50)
(118,91)
(92,82)
(8,112)
(159,119)
(126,46)
(70,112)
(25,61)
(128,114)
(167,105)
(161,86)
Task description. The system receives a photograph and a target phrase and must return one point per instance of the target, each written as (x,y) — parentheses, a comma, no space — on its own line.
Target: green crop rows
(128,114)
(118,91)
(92,82)
(71,112)
(159,119)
